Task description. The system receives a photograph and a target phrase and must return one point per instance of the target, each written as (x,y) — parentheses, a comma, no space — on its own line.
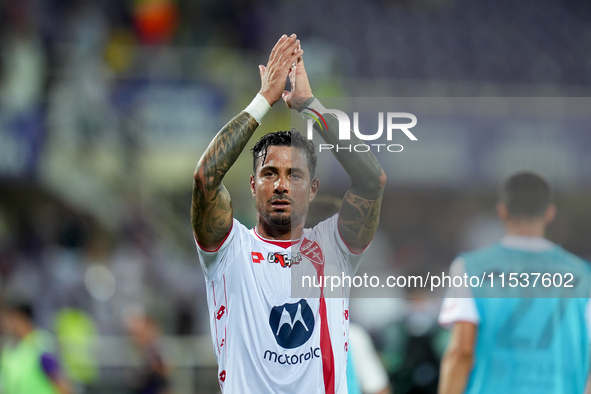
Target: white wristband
(258,108)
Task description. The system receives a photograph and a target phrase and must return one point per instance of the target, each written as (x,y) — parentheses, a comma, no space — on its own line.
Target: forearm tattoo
(358,219)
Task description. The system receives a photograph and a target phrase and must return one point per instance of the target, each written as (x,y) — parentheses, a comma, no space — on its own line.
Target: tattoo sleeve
(358,220)
(211,209)
(360,210)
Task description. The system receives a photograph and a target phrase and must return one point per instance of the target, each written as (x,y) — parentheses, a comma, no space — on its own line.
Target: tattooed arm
(211,209)
(360,211)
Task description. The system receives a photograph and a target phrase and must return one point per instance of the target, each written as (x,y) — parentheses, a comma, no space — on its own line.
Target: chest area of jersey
(275,270)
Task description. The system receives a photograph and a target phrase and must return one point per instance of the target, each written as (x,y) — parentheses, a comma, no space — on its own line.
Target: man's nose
(282,185)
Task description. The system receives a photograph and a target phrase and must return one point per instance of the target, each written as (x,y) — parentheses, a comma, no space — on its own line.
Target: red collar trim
(277,242)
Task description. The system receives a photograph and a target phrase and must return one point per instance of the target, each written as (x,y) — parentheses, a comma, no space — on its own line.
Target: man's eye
(269,173)
(296,175)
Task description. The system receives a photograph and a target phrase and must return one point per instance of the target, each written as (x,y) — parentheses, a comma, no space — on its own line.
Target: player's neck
(279,233)
(525,228)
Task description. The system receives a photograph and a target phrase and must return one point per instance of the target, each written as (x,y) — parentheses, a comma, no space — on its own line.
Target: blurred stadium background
(105,107)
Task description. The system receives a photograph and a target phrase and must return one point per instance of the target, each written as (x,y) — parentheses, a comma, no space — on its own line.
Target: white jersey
(264,340)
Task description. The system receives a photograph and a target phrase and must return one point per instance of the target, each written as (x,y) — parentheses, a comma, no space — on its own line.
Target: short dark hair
(526,195)
(290,137)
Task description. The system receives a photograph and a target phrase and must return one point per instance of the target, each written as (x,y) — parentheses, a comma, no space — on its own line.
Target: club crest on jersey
(283,259)
(312,251)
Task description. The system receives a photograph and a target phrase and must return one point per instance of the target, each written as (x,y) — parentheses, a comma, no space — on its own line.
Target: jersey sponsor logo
(283,259)
(312,251)
(292,324)
(292,359)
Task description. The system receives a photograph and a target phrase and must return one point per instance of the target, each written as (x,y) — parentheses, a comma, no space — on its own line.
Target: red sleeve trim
(347,245)
(218,248)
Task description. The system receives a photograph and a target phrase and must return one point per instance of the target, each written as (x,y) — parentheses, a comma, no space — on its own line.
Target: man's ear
(550,214)
(314,185)
(253,189)
(502,211)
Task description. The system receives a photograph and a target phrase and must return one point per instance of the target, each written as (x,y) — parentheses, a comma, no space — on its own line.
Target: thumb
(286,97)
(262,70)
(292,77)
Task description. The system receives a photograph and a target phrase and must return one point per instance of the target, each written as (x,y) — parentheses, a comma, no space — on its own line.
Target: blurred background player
(521,344)
(29,362)
(152,377)
(76,334)
(366,363)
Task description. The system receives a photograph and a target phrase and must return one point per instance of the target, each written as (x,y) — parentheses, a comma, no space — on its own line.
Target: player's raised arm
(211,209)
(360,211)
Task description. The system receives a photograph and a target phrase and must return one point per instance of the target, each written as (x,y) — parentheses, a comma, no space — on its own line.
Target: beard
(279,219)
(282,220)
